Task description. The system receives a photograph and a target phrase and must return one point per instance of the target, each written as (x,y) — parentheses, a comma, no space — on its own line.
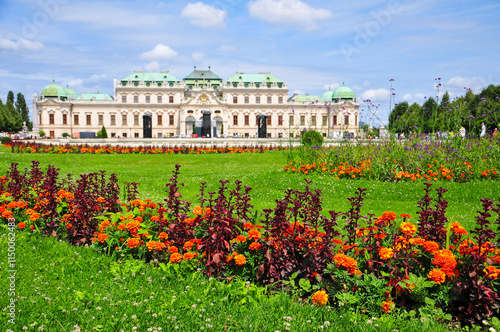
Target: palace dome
(71,93)
(343,93)
(327,96)
(54,90)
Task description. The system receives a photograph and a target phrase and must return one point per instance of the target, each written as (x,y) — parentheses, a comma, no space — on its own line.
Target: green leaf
(430,301)
(305,284)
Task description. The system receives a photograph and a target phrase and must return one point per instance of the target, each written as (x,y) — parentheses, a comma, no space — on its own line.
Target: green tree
(104,133)
(395,121)
(10,97)
(23,109)
(14,119)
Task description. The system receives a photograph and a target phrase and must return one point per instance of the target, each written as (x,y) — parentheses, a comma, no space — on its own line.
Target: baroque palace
(156,105)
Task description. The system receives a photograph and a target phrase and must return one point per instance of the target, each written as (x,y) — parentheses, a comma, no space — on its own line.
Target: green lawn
(264,174)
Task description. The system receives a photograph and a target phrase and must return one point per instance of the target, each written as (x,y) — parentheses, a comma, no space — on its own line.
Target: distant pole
(391,94)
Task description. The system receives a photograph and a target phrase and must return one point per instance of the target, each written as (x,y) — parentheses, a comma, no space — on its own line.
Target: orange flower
(102,237)
(320,298)
(155,218)
(189,255)
(198,211)
(241,238)
(133,243)
(348,262)
(491,272)
(389,215)
(254,246)
(404,215)
(175,257)
(387,306)
(163,236)
(173,249)
(249,225)
(431,246)
(408,228)
(446,261)
(240,259)
(437,276)
(457,229)
(133,226)
(385,253)
(21,225)
(254,234)
(189,221)
(151,245)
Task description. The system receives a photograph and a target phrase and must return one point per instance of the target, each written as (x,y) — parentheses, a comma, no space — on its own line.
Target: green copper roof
(343,93)
(54,90)
(150,77)
(327,96)
(305,98)
(71,93)
(253,78)
(202,75)
(95,96)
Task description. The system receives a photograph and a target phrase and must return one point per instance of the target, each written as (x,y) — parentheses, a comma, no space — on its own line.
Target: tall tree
(10,97)
(14,119)
(22,108)
(2,118)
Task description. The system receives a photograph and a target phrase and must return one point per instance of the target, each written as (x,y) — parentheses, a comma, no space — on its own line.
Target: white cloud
(288,13)
(414,97)
(198,56)
(153,66)
(376,95)
(159,52)
(20,44)
(459,83)
(204,15)
(227,48)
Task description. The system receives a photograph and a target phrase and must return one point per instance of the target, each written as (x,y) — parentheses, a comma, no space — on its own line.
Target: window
(159,135)
(269,100)
(325,120)
(159,84)
(257,100)
(235,120)
(136,99)
(160,120)
(101,119)
(290,120)
(171,120)
(39,119)
(148,83)
(65,119)
(247,119)
(51,118)
(356,119)
(159,100)
(52,134)
(334,120)
(76,120)
(346,119)
(235,100)
(313,120)
(171,99)
(136,135)
(269,120)
(136,119)
(280,120)
(148,99)
(247,99)
(124,99)
(89,120)
(113,120)
(124,120)
(302,120)
(280,100)
(124,134)
(113,135)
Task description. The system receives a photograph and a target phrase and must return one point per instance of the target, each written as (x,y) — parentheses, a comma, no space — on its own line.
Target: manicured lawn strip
(60,287)
(264,174)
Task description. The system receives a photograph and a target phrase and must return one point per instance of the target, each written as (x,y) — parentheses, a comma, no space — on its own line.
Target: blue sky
(310,44)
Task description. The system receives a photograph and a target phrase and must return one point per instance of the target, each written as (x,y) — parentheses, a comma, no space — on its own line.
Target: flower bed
(418,159)
(430,266)
(23,147)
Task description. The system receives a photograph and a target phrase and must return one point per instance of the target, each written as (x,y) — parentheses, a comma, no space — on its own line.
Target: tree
(15,121)
(23,109)
(10,97)
(104,133)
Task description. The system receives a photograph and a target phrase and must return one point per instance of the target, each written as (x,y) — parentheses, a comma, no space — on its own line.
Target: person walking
(483,130)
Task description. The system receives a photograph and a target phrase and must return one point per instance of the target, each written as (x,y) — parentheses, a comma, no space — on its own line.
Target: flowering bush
(379,263)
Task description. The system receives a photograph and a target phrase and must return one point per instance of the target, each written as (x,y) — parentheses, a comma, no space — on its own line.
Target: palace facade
(160,105)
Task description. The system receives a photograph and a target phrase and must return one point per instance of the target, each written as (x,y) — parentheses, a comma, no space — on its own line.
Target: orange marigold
(430,246)
(254,246)
(241,238)
(492,272)
(21,225)
(173,249)
(151,245)
(404,215)
(437,275)
(389,215)
(457,229)
(189,255)
(188,245)
(345,261)
(198,211)
(175,257)
(249,225)
(387,306)
(446,261)
(385,253)
(320,298)
(133,243)
(240,259)
(408,228)
(163,236)
(254,234)
(133,226)
(102,237)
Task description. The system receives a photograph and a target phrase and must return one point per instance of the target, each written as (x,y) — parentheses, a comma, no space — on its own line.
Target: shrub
(42,133)
(312,138)
(6,140)
(65,135)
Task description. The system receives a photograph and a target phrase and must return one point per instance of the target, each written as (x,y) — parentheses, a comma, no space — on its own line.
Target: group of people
(481,135)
